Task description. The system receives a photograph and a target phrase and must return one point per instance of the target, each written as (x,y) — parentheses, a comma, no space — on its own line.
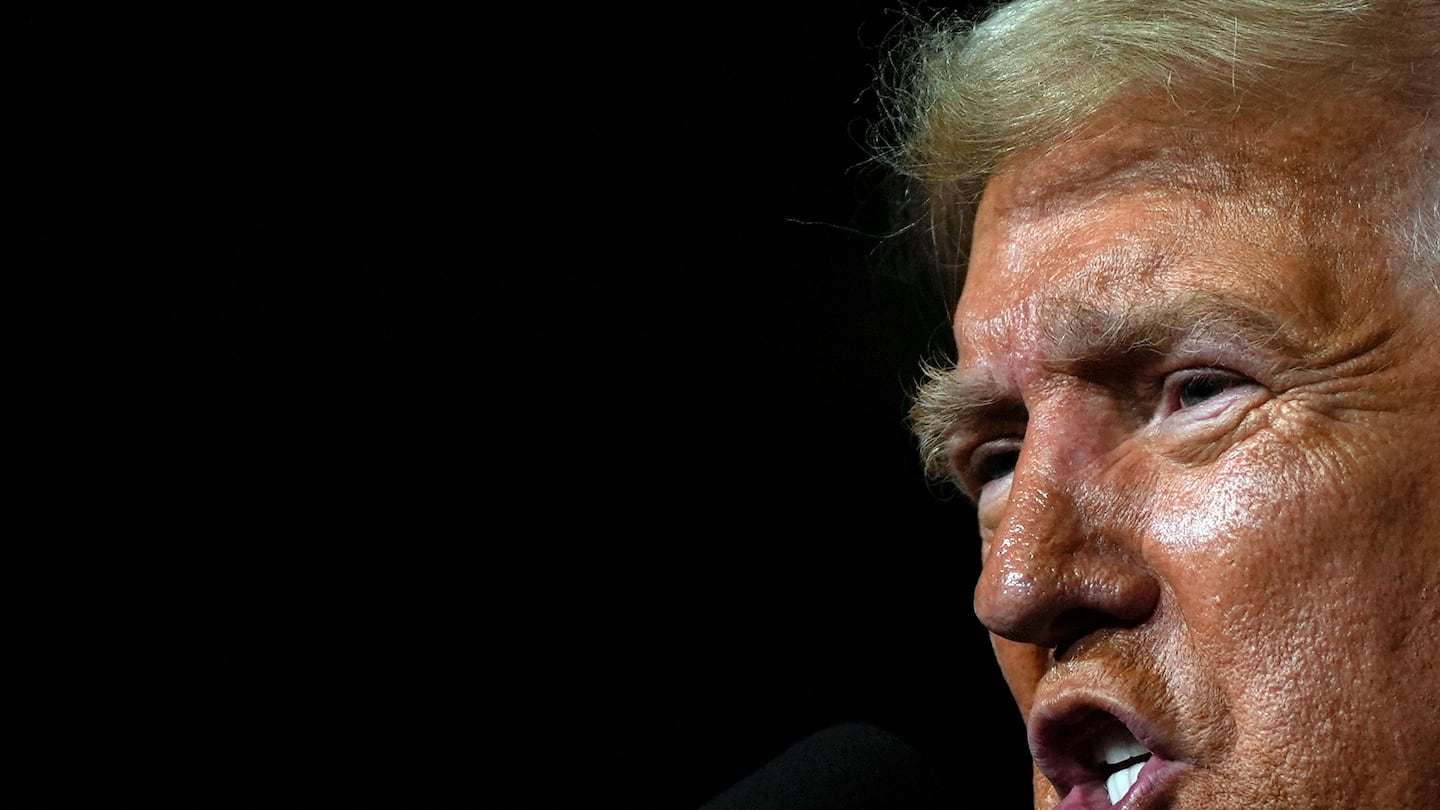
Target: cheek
(1268,533)
(1228,542)
(1208,533)
(1226,546)
(1272,568)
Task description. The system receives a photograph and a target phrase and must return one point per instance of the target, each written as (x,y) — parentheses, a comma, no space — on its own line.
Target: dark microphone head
(846,767)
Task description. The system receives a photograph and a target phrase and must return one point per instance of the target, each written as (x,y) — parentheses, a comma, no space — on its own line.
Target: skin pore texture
(1201,423)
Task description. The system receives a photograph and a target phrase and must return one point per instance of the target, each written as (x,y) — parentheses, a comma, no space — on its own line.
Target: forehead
(1141,213)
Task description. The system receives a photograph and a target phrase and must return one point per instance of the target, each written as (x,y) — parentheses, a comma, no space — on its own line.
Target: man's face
(1202,425)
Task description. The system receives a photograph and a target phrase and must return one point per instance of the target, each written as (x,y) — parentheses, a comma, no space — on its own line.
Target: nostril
(1073,625)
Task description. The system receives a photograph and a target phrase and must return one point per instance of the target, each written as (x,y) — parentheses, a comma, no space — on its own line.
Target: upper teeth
(1117,746)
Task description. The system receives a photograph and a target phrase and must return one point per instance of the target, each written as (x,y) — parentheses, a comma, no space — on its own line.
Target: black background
(557,400)
(810,575)
(615,349)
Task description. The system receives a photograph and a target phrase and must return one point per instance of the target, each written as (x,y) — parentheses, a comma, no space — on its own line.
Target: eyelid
(973,467)
(1171,384)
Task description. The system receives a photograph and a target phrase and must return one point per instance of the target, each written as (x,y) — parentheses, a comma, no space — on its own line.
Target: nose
(1063,558)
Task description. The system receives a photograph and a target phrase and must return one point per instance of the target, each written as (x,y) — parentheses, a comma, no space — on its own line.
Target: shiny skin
(1247,566)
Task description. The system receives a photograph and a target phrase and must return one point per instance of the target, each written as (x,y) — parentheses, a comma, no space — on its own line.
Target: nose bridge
(1063,558)
(1041,525)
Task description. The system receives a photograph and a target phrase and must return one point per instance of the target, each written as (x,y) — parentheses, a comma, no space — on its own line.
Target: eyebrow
(1086,340)
(947,403)
(1080,334)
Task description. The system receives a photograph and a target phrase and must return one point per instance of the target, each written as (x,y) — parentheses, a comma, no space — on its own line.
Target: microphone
(851,766)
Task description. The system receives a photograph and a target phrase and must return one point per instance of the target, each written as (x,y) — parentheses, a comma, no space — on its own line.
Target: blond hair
(957,96)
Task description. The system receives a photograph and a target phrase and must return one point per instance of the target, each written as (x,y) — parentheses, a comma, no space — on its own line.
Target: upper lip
(1064,727)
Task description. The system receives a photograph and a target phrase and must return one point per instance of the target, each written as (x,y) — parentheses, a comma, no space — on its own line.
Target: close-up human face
(1200,419)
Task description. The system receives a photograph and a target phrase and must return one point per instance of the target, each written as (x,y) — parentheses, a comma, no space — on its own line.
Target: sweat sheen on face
(1203,436)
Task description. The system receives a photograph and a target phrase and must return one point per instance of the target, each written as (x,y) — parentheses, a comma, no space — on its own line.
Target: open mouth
(1100,753)
(1119,755)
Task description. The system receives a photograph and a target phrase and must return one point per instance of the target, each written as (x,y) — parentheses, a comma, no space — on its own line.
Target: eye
(990,462)
(1194,387)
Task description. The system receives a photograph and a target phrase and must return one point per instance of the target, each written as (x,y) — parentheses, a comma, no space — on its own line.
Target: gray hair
(958,96)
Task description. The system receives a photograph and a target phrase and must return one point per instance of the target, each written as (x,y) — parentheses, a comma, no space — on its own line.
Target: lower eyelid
(1233,396)
(991,497)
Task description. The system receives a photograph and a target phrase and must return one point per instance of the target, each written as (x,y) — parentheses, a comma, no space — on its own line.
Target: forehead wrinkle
(1123,156)
(1086,255)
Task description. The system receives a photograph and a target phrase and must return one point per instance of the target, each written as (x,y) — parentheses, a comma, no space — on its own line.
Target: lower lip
(1155,782)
